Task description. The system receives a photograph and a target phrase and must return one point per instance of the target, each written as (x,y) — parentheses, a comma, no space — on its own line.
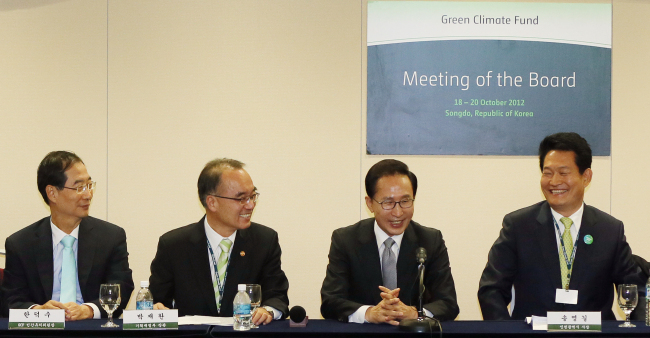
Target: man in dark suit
(560,254)
(197,267)
(37,275)
(372,272)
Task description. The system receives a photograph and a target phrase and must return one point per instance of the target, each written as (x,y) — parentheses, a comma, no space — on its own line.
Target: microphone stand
(422,323)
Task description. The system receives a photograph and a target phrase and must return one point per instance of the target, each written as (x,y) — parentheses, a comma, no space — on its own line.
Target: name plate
(150,320)
(36,319)
(574,321)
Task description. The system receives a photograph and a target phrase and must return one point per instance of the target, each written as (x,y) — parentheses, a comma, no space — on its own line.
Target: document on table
(205,320)
(539,323)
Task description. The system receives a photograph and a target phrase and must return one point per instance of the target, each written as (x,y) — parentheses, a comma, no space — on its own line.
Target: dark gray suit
(526,255)
(101,258)
(180,272)
(354,272)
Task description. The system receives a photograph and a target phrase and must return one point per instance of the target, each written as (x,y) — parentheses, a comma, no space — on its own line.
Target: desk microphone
(422,323)
(298,317)
(421,255)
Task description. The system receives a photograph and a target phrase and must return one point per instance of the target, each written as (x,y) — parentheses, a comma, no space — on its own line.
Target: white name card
(36,319)
(574,321)
(150,320)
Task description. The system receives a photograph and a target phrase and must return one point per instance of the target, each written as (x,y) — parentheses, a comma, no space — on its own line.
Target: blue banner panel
(485,97)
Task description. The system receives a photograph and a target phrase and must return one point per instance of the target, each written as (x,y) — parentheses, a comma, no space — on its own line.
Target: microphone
(421,255)
(422,323)
(298,317)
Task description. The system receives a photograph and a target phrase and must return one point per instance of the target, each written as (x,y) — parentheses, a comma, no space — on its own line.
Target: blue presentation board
(486,78)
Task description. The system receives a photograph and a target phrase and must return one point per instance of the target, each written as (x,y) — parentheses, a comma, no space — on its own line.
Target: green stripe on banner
(574,327)
(36,326)
(151,326)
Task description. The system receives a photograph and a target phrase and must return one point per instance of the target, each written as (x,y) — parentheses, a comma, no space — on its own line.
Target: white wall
(147,92)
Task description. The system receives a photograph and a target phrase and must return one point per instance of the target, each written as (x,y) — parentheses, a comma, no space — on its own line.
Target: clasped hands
(391,309)
(260,316)
(73,311)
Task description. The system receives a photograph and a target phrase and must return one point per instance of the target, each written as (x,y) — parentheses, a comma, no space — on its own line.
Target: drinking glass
(254,291)
(627,300)
(109,298)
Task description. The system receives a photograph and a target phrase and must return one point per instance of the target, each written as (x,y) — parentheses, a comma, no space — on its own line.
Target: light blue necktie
(68,272)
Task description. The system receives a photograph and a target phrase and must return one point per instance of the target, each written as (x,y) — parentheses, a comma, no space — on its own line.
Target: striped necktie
(222,265)
(568,248)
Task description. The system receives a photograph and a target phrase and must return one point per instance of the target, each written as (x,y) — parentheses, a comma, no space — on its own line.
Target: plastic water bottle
(647,302)
(241,309)
(144,299)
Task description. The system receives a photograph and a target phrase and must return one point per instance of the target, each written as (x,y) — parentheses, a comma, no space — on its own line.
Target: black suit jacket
(354,272)
(643,265)
(526,255)
(180,272)
(101,258)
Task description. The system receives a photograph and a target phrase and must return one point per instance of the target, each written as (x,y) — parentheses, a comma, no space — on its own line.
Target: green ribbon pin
(588,239)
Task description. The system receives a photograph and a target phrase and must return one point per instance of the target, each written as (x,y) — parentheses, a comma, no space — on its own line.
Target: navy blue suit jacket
(526,255)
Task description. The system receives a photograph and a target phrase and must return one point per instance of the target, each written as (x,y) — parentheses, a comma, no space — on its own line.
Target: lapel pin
(588,239)
(244,254)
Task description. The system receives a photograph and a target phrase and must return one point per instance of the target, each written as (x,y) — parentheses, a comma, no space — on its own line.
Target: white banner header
(409,21)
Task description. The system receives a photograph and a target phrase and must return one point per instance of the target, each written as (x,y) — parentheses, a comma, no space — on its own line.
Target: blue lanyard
(569,263)
(216,275)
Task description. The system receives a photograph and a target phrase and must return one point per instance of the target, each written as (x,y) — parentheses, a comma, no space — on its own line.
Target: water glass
(254,291)
(627,300)
(109,298)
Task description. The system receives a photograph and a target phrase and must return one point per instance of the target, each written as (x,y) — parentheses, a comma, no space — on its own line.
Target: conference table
(328,328)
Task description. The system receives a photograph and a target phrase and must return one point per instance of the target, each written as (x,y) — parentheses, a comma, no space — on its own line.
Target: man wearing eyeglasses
(372,270)
(197,267)
(60,261)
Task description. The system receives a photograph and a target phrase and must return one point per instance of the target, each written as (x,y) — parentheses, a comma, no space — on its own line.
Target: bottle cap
(241,287)
(144,284)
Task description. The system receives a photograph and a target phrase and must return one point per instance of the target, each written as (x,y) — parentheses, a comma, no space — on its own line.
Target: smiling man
(60,261)
(559,254)
(197,267)
(372,270)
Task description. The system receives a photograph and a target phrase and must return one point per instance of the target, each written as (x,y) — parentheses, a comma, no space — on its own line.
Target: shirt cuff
(276,314)
(96,313)
(427,313)
(359,316)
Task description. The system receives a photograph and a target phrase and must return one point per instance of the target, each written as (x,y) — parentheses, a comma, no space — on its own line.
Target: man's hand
(407,312)
(75,311)
(387,293)
(160,306)
(261,316)
(383,312)
(50,305)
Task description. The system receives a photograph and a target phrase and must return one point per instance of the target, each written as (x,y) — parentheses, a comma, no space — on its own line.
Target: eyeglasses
(390,205)
(90,186)
(243,200)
